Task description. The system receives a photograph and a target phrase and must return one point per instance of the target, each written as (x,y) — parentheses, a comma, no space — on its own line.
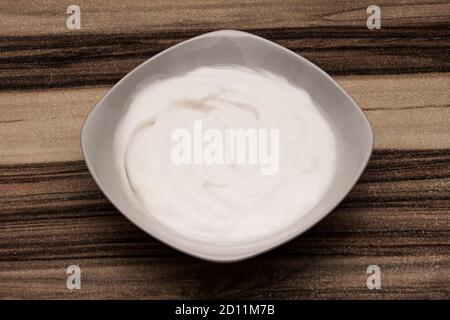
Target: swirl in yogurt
(225,203)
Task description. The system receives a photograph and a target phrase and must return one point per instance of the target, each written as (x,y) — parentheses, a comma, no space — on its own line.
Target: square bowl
(353,132)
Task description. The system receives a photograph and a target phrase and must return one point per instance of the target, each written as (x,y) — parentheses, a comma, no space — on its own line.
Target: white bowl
(353,131)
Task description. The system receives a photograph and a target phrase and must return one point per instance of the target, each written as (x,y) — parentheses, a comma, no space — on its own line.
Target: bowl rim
(301,229)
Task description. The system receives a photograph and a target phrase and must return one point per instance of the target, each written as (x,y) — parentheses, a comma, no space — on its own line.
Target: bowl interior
(353,131)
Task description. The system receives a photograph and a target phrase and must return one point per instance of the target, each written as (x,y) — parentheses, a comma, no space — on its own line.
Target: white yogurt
(225,203)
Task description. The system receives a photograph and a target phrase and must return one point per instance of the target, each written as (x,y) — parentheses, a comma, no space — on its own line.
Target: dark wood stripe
(75,60)
(52,215)
(403,196)
(384,165)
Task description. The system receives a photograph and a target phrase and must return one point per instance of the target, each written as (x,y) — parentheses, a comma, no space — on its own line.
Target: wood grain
(53,215)
(46,54)
(398,106)
(60,61)
(114,16)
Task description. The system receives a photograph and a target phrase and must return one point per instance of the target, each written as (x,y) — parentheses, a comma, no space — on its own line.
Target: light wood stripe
(115,16)
(406,112)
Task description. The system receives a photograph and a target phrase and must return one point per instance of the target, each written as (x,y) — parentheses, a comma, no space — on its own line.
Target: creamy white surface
(224,203)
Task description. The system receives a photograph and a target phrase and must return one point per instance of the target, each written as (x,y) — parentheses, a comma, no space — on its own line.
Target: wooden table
(53,215)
